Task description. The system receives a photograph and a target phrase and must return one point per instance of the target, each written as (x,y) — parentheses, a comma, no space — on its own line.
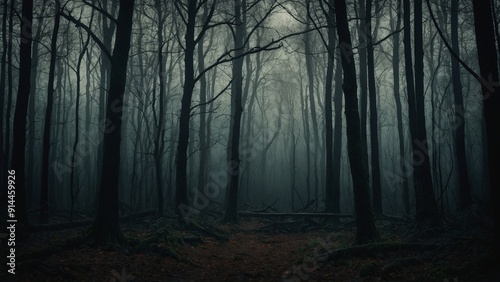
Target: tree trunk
(236,95)
(427,211)
(106,228)
(399,113)
(488,64)
(426,207)
(181,200)
(3,67)
(44,192)
(463,172)
(375,162)
(310,80)
(23,92)
(331,188)
(366,230)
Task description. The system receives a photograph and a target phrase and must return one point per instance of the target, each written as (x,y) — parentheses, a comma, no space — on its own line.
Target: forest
(250,140)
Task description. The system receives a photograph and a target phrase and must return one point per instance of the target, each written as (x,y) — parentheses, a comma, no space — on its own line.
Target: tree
(488,65)
(366,230)
(23,92)
(237,106)
(105,229)
(463,172)
(375,162)
(426,206)
(44,192)
(399,112)
(331,200)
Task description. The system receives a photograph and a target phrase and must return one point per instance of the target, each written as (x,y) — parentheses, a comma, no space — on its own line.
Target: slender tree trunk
(363,81)
(160,130)
(399,112)
(181,188)
(375,162)
(231,214)
(330,190)
(30,146)
(366,230)
(312,103)
(463,172)
(3,66)
(44,193)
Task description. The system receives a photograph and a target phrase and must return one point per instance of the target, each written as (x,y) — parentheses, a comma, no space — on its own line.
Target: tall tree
(44,193)
(488,64)
(105,229)
(374,139)
(237,106)
(332,190)
(160,123)
(399,112)
(312,104)
(3,67)
(23,92)
(426,206)
(366,230)
(463,172)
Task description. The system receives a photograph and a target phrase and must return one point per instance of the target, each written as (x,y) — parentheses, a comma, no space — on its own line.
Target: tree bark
(488,64)
(366,230)
(399,112)
(375,162)
(463,172)
(23,92)
(44,192)
(106,228)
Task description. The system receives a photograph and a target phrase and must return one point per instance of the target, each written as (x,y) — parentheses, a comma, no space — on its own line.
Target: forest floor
(267,250)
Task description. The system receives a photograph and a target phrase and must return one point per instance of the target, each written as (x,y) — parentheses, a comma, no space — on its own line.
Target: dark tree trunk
(463,172)
(312,104)
(160,129)
(107,28)
(231,214)
(202,135)
(181,200)
(488,64)
(32,175)
(363,82)
(427,211)
(3,67)
(399,113)
(23,92)
(331,201)
(106,228)
(366,230)
(44,192)
(74,153)
(375,162)
(426,207)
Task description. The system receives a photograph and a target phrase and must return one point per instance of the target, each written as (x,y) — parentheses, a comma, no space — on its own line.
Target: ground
(263,250)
